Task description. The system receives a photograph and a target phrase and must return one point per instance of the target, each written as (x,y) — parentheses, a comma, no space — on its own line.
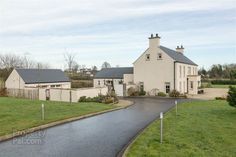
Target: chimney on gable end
(180,49)
(154,41)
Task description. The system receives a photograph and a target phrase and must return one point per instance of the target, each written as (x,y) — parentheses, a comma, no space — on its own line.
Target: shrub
(82,99)
(3,92)
(161,94)
(224,82)
(142,92)
(174,93)
(231,98)
(132,92)
(100,99)
(108,100)
(220,98)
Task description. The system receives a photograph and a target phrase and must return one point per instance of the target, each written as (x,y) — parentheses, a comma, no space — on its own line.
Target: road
(100,136)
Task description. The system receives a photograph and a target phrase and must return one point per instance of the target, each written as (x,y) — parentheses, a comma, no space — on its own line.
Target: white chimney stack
(154,41)
(180,49)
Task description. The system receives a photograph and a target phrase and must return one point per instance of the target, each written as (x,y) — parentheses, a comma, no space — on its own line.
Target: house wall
(128,78)
(63,85)
(182,72)
(155,72)
(14,81)
(103,82)
(66,94)
(195,79)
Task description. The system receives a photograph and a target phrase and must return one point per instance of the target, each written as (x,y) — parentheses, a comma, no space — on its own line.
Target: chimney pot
(180,49)
(151,35)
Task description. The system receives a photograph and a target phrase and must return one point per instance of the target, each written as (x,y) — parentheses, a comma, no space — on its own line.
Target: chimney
(180,49)
(154,41)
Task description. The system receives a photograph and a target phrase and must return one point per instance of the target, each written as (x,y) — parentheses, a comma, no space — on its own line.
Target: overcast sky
(117,31)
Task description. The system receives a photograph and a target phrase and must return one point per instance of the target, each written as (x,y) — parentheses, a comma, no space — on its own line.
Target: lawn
(207,85)
(221,86)
(19,114)
(201,129)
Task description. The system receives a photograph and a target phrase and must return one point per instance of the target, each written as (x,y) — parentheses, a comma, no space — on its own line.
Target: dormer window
(159,56)
(147,57)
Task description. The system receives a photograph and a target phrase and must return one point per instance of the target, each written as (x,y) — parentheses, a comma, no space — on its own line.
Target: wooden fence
(31,93)
(1,83)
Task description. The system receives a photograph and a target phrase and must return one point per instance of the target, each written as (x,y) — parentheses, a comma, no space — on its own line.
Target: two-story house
(163,69)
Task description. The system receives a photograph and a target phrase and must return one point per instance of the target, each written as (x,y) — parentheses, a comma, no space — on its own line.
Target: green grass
(221,86)
(19,114)
(201,129)
(207,85)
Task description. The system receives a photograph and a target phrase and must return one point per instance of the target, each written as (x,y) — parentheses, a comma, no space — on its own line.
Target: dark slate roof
(42,75)
(179,57)
(114,73)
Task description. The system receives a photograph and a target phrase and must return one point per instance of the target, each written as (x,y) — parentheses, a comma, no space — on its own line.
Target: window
(189,70)
(147,57)
(184,86)
(167,84)
(58,85)
(184,72)
(159,56)
(180,87)
(191,84)
(180,71)
(99,83)
(52,86)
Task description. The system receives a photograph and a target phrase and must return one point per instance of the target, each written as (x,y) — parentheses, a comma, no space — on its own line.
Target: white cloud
(34,15)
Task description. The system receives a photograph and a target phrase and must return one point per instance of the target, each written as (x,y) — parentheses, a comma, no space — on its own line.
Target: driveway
(101,136)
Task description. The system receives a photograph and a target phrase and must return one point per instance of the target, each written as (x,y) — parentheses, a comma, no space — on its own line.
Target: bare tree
(106,65)
(70,60)
(75,67)
(9,61)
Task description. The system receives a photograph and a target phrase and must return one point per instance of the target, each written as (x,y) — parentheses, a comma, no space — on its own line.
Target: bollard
(42,107)
(161,117)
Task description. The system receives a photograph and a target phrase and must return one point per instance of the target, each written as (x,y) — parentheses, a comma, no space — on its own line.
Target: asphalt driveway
(100,136)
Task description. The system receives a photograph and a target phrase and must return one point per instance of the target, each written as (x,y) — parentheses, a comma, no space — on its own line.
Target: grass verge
(203,128)
(20,114)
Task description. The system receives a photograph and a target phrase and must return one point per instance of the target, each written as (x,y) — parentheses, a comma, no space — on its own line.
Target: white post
(42,107)
(176,107)
(161,117)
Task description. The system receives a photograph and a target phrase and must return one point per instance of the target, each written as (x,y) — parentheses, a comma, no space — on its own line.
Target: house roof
(114,73)
(31,76)
(177,56)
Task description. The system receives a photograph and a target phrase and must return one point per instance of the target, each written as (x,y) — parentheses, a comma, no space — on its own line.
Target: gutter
(174,74)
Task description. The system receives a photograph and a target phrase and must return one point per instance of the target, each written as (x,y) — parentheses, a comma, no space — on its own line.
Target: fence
(31,93)
(53,94)
(70,95)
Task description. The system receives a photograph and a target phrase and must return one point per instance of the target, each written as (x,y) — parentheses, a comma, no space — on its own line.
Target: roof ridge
(179,57)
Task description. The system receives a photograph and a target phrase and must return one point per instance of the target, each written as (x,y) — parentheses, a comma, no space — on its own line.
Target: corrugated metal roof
(177,56)
(42,75)
(114,73)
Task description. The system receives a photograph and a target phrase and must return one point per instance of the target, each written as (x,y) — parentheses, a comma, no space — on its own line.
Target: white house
(107,76)
(160,69)
(32,78)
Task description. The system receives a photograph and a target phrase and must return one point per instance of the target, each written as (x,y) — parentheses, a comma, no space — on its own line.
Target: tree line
(10,61)
(218,71)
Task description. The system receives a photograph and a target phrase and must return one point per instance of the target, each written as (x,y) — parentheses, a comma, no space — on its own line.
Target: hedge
(224,82)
